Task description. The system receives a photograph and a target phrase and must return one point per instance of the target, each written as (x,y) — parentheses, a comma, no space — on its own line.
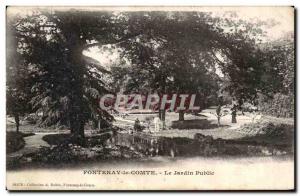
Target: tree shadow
(195,124)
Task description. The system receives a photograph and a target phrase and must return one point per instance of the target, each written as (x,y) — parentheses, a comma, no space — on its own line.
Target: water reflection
(201,145)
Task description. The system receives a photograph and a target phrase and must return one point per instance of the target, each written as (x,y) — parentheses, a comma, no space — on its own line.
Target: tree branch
(117,41)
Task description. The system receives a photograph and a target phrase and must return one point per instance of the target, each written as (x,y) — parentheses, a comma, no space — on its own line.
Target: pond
(201,145)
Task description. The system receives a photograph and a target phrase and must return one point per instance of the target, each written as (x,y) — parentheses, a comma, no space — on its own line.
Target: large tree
(277,96)
(240,60)
(66,87)
(18,83)
(179,52)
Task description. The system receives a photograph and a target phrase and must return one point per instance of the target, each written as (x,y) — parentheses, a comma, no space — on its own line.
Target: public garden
(60,64)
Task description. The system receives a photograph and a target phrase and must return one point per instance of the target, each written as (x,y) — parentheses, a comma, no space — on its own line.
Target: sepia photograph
(144,98)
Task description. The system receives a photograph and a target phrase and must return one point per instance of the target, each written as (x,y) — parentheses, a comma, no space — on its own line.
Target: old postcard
(150,98)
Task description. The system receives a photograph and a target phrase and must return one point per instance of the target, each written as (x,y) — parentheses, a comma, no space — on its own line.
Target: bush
(14,141)
(32,118)
(279,106)
(56,139)
(137,126)
(59,139)
(269,133)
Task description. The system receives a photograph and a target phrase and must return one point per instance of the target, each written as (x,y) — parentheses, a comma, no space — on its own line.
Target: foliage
(279,66)
(65,86)
(279,105)
(277,97)
(18,83)
(14,141)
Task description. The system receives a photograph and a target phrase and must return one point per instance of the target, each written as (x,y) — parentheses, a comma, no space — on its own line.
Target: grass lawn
(228,130)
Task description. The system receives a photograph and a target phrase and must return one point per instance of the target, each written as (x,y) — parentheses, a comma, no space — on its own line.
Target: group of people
(147,126)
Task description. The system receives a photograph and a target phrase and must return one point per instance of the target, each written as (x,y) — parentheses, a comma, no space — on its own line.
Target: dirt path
(32,144)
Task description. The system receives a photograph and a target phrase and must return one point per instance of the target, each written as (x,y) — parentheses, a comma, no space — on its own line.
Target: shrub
(279,106)
(14,141)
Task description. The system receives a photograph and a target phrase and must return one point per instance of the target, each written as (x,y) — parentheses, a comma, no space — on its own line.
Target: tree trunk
(233,118)
(77,132)
(99,125)
(81,127)
(233,114)
(78,126)
(17,120)
(77,118)
(77,112)
(219,120)
(162,117)
(181,115)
